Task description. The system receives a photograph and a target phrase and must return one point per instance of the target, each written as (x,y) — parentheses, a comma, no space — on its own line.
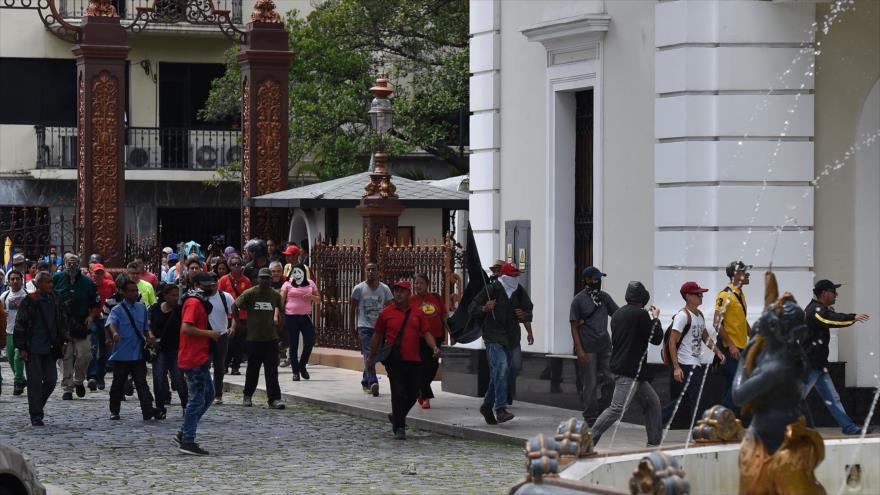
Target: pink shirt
(295,303)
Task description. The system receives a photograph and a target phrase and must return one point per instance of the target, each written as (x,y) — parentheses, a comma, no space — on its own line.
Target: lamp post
(380,207)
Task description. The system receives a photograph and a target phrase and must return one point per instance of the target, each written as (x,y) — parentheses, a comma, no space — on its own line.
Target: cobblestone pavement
(302,449)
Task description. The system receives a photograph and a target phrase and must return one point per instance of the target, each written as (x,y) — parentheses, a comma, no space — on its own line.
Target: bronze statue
(779,454)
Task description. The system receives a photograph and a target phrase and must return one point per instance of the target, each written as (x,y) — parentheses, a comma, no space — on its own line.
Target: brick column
(265,62)
(100,59)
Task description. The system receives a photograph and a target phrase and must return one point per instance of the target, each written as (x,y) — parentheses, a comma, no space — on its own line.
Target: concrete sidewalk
(456,415)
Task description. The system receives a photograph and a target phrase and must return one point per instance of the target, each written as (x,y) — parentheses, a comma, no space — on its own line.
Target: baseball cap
(403,284)
(18,258)
(167,250)
(204,278)
(264,272)
(737,266)
(592,272)
(509,270)
(823,285)
(292,249)
(172,257)
(691,288)
(97,266)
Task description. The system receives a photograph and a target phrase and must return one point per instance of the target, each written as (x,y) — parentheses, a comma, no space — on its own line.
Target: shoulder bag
(388,354)
(149,349)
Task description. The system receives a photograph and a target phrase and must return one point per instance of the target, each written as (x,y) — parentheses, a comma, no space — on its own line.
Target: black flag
(463,327)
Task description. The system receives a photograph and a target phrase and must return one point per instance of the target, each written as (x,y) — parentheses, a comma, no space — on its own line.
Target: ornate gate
(337,268)
(32,230)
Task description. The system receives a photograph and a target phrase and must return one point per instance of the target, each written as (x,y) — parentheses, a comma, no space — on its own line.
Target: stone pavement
(303,449)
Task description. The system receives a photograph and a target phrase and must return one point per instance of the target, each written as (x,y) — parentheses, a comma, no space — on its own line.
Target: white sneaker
(218,402)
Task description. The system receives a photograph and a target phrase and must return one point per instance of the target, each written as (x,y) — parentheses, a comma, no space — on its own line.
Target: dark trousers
(263,354)
(42,376)
(294,325)
(405,378)
(236,346)
(138,371)
(689,397)
(98,366)
(220,349)
(429,370)
(729,369)
(166,363)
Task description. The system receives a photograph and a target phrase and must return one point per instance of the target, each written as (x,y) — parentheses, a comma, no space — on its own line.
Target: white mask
(298,276)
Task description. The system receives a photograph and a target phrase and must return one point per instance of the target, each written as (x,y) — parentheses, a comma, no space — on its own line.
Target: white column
(734,146)
(485,136)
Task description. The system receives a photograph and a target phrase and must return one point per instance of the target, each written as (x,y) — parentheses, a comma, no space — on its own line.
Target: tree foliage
(339,48)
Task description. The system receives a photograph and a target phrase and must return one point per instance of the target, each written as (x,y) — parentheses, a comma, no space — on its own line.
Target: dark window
(583,184)
(37,91)
(180,224)
(183,91)
(331,224)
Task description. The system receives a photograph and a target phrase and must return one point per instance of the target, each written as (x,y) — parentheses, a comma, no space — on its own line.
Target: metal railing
(146,148)
(169,9)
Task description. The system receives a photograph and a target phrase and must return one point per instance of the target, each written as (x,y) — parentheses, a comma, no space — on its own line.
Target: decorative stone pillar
(265,62)
(380,207)
(100,60)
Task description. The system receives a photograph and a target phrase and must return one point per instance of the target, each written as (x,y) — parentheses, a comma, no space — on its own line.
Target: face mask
(594,286)
(298,276)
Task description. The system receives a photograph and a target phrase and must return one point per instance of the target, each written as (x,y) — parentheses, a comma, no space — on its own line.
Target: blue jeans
(689,400)
(496,394)
(201,393)
(729,368)
(822,381)
(365,335)
(514,365)
(98,366)
(166,362)
(295,325)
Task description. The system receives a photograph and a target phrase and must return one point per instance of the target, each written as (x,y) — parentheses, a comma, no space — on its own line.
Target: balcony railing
(147,148)
(127,9)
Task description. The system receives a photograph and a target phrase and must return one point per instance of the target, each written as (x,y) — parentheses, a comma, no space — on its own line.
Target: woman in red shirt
(430,306)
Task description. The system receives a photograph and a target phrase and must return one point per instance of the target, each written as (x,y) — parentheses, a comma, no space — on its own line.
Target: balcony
(169,12)
(146,148)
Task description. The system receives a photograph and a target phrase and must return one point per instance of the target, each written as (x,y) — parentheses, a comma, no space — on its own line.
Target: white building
(661,140)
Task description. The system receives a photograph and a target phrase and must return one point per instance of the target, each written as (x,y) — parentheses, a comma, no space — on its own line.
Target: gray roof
(346,192)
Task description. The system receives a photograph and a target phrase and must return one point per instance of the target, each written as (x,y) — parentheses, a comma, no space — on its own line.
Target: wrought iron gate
(33,230)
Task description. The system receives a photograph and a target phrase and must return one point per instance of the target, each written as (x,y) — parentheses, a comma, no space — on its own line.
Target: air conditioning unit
(232,153)
(143,156)
(204,150)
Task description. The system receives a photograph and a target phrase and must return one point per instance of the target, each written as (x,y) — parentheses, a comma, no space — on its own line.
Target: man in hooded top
(259,259)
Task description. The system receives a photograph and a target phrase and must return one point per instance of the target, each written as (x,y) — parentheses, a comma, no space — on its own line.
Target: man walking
(821,317)
(79,296)
(145,289)
(631,329)
(367,300)
(497,307)
(194,360)
(106,288)
(256,249)
(235,283)
(590,310)
(11,301)
(264,308)
(685,349)
(219,320)
(732,326)
(40,333)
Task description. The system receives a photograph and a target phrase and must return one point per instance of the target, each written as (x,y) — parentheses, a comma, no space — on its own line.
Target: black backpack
(665,353)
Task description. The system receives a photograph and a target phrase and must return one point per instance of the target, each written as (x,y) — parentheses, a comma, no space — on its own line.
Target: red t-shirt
(149,277)
(235,289)
(194,351)
(432,309)
(106,287)
(388,324)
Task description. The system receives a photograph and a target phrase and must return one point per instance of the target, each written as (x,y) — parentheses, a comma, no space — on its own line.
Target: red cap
(97,266)
(291,250)
(691,288)
(403,284)
(509,270)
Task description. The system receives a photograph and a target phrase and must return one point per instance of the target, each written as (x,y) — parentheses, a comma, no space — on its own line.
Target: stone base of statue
(789,471)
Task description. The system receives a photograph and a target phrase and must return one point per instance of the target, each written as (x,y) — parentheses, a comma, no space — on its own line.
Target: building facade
(661,140)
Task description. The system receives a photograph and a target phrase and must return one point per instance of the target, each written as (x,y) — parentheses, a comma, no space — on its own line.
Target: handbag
(149,349)
(390,353)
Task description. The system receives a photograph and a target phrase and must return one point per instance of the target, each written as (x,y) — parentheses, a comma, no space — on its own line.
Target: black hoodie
(631,330)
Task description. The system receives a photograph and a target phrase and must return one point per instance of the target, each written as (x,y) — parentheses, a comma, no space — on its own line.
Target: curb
(452,430)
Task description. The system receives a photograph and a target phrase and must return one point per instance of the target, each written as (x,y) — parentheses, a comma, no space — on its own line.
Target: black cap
(823,285)
(204,278)
(592,272)
(737,266)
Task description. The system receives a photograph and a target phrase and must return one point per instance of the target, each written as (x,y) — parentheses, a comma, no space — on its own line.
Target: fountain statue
(779,453)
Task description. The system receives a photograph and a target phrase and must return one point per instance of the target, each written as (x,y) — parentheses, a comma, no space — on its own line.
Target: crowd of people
(202,316)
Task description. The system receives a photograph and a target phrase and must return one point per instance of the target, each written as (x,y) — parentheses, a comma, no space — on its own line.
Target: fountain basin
(714,469)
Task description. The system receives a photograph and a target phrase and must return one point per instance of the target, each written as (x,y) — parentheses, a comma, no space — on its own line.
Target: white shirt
(11,301)
(691,351)
(219,317)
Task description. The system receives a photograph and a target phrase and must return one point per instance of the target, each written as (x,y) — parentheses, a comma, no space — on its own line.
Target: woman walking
(430,306)
(299,293)
(165,330)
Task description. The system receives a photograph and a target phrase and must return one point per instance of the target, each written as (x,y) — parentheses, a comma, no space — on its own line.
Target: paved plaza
(303,449)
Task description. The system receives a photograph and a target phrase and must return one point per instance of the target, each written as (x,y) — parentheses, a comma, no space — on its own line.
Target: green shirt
(260,307)
(80,297)
(148,295)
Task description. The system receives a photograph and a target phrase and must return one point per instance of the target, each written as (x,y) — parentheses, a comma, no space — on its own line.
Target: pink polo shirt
(296,304)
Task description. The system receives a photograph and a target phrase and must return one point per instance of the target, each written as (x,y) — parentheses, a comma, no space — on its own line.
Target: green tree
(339,48)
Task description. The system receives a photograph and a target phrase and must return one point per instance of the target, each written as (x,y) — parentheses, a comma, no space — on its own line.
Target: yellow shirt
(733,315)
